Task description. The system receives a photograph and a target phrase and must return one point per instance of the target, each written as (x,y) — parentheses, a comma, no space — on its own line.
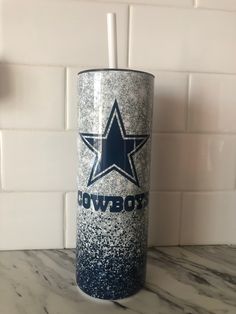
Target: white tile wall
(70,219)
(217,4)
(170,102)
(191,51)
(212,105)
(209,218)
(60,32)
(38,161)
(182,39)
(193,162)
(32,97)
(31,220)
(72,97)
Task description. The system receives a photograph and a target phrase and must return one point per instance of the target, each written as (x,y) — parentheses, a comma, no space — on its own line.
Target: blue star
(114,149)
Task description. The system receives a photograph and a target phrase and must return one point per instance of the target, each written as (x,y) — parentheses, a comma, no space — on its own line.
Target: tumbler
(114,144)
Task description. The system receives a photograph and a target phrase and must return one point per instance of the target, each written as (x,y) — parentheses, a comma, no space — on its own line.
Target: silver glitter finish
(112,240)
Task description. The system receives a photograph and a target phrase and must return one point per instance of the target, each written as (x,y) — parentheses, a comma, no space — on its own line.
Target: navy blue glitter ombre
(114,127)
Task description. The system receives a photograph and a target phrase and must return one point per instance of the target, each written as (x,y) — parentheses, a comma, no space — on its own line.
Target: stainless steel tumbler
(114,143)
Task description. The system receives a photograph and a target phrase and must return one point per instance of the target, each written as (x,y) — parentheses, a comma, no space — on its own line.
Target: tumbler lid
(113,69)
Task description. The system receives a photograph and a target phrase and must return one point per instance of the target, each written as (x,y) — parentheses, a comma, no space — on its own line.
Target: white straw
(112,40)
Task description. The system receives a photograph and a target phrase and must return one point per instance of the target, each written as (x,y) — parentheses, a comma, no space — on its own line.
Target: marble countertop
(186,280)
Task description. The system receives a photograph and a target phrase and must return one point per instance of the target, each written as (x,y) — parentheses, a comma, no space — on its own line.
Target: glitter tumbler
(114,143)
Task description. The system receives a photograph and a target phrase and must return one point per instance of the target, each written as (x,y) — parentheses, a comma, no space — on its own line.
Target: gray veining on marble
(188,280)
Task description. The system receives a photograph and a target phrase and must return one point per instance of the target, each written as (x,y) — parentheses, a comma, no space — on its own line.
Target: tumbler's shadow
(6,83)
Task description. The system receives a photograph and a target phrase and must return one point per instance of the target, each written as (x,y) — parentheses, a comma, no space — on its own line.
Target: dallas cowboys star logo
(114,149)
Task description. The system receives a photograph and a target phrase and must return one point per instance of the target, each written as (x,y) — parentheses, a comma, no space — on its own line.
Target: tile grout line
(180,217)
(38,191)
(67,131)
(187,104)
(194,191)
(232,190)
(135,67)
(64,219)
(151,191)
(192,71)
(167,6)
(65,98)
(168,70)
(214,9)
(206,133)
(30,130)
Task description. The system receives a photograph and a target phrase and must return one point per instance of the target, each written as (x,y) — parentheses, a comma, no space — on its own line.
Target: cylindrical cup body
(114,144)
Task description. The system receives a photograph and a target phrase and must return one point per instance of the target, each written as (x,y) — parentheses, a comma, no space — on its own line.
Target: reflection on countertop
(191,279)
